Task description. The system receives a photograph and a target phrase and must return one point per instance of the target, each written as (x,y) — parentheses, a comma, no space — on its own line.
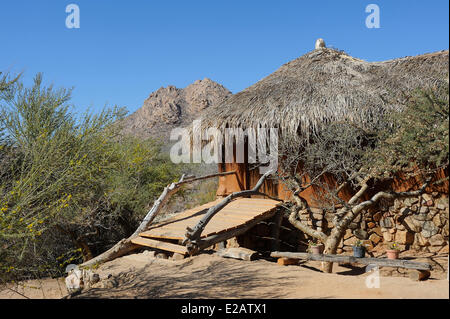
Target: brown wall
(247,179)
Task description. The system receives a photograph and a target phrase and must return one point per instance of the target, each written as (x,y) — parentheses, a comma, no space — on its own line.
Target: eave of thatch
(326,85)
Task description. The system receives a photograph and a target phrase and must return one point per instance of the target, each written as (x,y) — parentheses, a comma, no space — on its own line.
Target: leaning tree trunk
(125,246)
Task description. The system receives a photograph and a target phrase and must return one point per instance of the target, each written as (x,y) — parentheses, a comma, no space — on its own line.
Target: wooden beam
(159,245)
(287,261)
(238,253)
(382,262)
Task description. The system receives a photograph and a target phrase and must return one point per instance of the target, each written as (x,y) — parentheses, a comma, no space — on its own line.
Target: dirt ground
(210,276)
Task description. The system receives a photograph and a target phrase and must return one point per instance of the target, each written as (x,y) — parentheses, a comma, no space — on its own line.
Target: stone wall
(414,224)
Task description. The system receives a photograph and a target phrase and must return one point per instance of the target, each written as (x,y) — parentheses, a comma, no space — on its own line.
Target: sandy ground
(210,276)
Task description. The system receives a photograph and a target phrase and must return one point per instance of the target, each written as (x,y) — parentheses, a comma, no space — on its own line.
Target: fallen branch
(125,245)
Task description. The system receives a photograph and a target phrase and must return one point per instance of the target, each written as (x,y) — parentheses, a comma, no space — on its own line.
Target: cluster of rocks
(419,223)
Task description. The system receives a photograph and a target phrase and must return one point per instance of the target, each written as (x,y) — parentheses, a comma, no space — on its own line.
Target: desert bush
(71,186)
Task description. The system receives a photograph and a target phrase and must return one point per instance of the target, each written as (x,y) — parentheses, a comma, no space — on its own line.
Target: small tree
(71,187)
(344,157)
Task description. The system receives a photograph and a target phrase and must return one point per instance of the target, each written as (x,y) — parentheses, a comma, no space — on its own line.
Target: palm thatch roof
(327,85)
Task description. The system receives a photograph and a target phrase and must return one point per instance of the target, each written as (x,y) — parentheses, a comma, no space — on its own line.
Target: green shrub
(68,184)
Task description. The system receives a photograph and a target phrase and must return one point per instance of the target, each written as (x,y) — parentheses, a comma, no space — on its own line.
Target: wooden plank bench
(421,269)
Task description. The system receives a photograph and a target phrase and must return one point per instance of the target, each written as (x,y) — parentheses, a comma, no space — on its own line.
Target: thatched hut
(320,87)
(327,85)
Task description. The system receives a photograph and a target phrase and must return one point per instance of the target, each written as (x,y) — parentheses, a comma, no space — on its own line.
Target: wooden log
(382,262)
(419,275)
(283,261)
(125,245)
(161,245)
(191,179)
(238,253)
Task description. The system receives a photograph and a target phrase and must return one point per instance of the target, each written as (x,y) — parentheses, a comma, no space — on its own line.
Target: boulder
(74,281)
(392,230)
(434,249)
(445,230)
(348,234)
(433,212)
(387,222)
(437,240)
(428,203)
(377,230)
(410,201)
(438,221)
(404,237)
(177,256)
(444,250)
(387,237)
(442,203)
(350,241)
(429,229)
(374,238)
(377,216)
(361,234)
(397,204)
(421,216)
(318,216)
(420,240)
(353,226)
(412,224)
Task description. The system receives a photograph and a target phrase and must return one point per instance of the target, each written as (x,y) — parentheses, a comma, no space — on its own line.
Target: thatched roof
(327,85)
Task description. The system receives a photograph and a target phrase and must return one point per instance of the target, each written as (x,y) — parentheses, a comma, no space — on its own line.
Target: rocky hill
(171,107)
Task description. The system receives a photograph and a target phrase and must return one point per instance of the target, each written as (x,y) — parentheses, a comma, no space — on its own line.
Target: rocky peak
(169,107)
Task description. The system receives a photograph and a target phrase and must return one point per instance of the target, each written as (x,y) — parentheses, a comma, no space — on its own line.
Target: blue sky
(124,50)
